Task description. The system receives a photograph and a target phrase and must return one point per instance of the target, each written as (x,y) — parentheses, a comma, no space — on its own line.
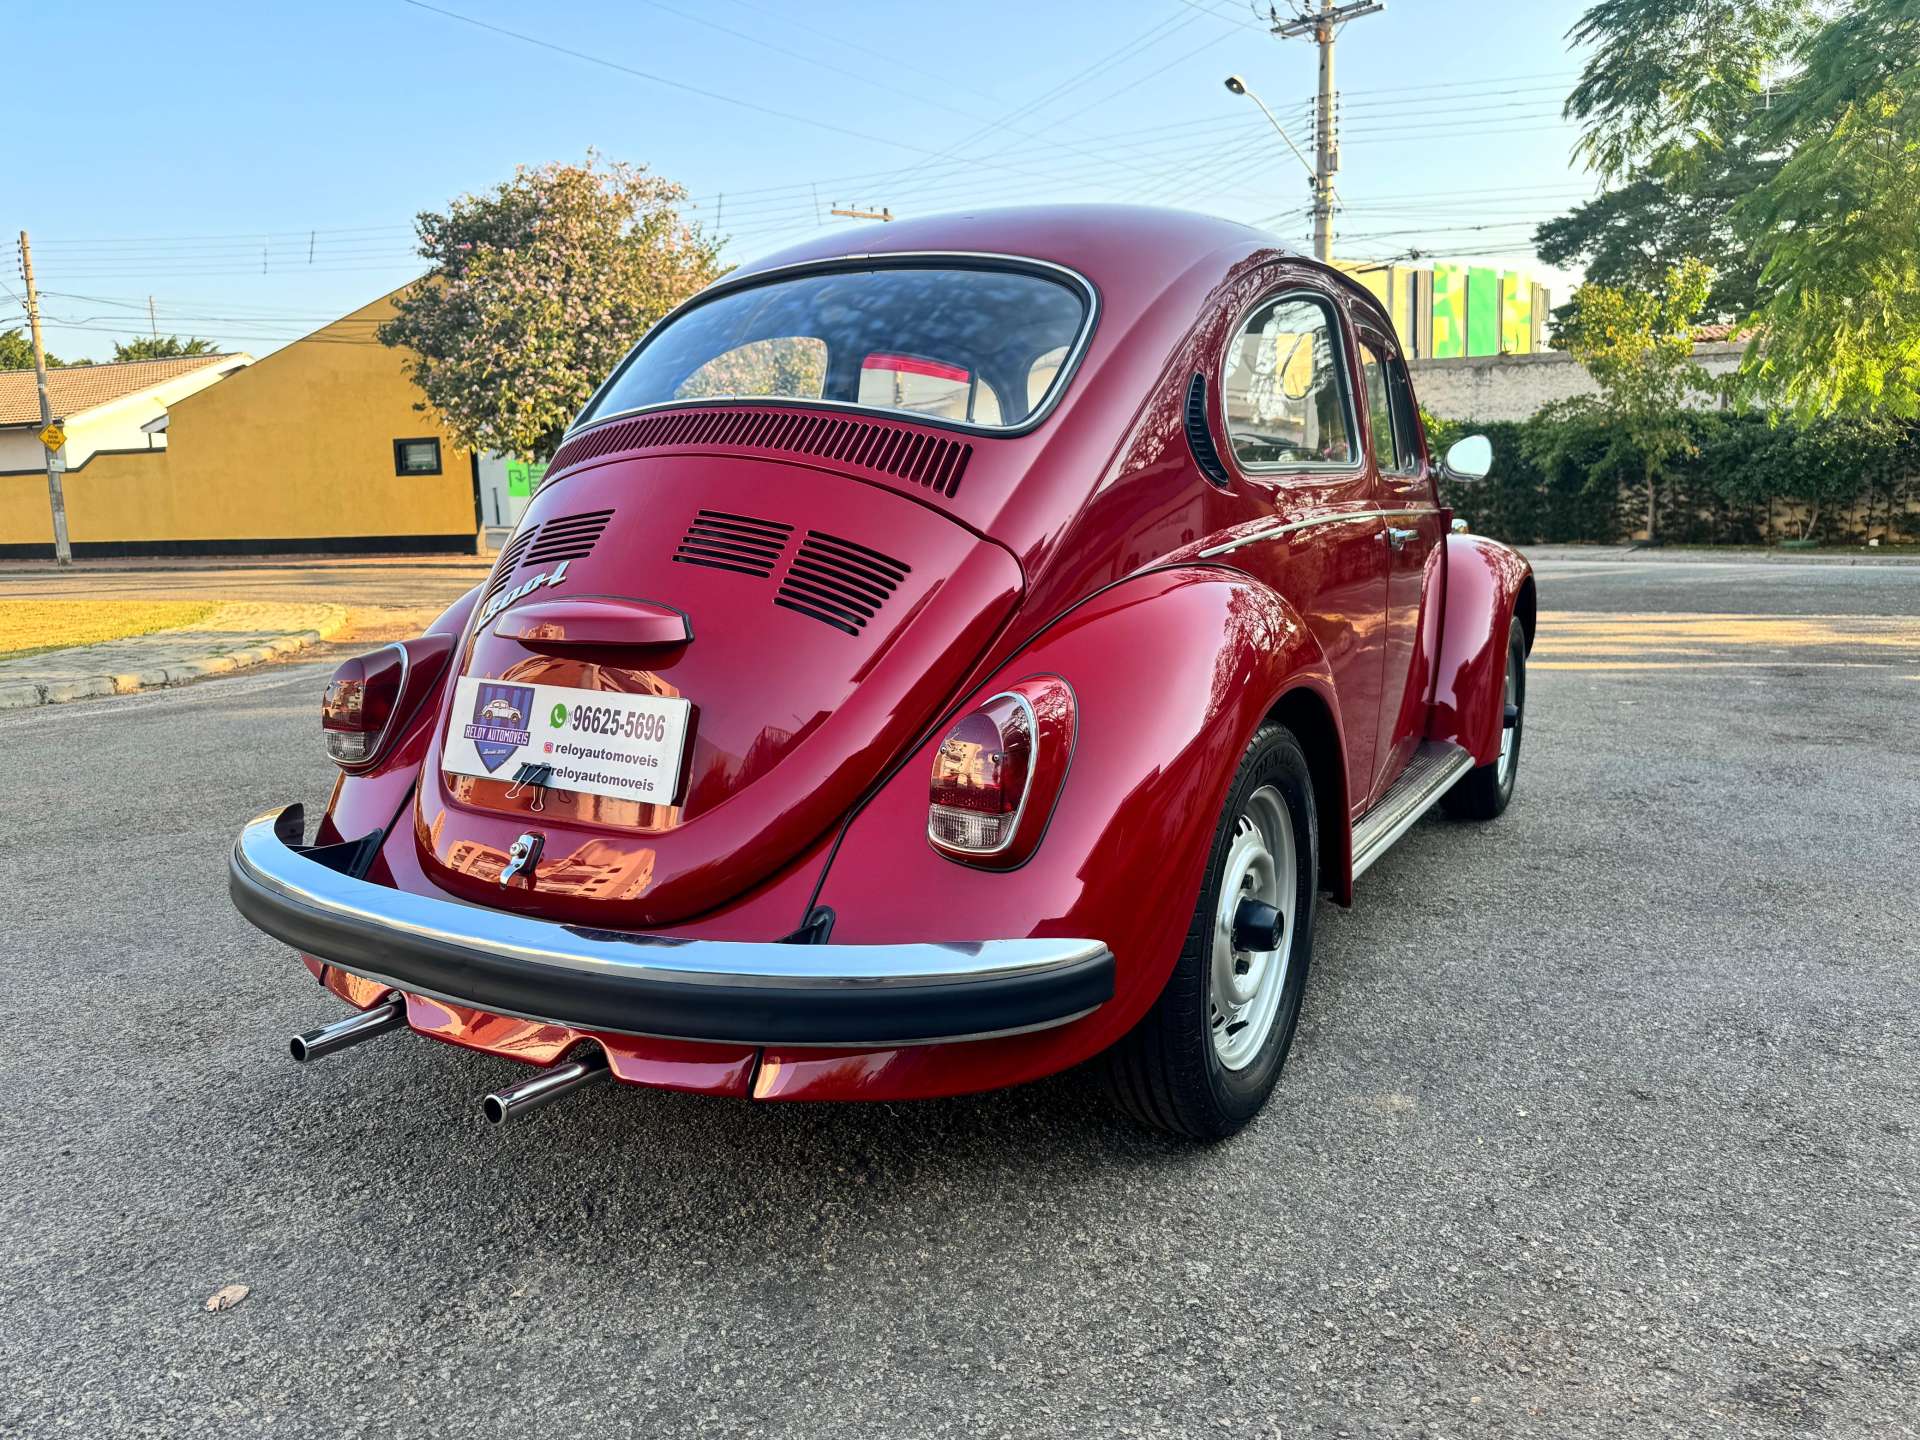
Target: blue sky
(256,168)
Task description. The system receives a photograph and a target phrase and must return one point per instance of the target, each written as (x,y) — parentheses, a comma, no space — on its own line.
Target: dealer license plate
(601,742)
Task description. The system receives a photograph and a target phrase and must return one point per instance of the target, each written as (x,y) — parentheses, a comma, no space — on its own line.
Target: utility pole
(881,214)
(1321,25)
(62,551)
(153,320)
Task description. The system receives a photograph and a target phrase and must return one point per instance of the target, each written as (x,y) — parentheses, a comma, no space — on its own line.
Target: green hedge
(1564,476)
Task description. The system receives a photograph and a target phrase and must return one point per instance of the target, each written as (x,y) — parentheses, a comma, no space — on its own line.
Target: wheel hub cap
(1245,985)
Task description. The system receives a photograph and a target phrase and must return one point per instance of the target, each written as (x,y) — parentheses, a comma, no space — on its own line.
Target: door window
(1406,416)
(1390,418)
(1284,393)
(1373,370)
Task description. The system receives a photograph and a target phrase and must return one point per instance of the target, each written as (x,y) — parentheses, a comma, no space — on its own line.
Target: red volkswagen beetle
(936,657)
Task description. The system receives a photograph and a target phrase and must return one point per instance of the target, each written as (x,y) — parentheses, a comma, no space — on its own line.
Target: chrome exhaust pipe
(390,1014)
(544,1088)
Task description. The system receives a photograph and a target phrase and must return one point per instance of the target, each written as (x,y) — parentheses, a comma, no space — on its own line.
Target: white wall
(116,425)
(1512,387)
(20,450)
(498,506)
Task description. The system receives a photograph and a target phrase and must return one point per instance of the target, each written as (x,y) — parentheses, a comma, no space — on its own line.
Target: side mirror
(1470,458)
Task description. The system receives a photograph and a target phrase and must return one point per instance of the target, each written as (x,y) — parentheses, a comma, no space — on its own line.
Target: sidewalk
(234,635)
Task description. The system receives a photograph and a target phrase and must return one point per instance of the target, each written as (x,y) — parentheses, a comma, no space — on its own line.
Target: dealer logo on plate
(499,722)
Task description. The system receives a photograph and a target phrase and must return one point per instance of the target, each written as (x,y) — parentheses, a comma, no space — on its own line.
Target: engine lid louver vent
(934,461)
(509,558)
(570,537)
(722,540)
(1199,438)
(838,582)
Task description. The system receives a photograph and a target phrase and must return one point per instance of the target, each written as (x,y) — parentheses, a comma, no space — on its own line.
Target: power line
(792,54)
(672,84)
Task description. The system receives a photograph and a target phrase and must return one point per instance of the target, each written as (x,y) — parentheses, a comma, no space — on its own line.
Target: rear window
(980,347)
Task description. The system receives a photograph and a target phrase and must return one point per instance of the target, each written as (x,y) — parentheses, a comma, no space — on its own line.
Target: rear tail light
(998,772)
(370,696)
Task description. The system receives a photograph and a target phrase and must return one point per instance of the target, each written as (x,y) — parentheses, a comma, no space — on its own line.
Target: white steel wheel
(1204,1058)
(1509,729)
(1245,985)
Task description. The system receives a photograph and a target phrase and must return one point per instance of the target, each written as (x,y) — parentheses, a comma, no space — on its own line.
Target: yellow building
(317,447)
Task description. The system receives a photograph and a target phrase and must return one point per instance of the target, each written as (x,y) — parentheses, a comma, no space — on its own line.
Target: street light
(1239,87)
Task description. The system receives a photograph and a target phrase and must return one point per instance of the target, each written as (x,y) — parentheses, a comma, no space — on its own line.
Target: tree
(538,287)
(1668,105)
(16,352)
(162,347)
(1668,75)
(1638,346)
(1629,236)
(1840,313)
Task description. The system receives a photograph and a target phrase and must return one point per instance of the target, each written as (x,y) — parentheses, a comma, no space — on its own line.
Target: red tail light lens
(370,693)
(980,775)
(359,705)
(998,772)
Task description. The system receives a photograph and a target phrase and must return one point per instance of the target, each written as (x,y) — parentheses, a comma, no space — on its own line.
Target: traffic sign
(54,436)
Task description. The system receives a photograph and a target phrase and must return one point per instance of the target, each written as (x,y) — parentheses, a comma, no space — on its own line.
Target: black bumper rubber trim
(854,1015)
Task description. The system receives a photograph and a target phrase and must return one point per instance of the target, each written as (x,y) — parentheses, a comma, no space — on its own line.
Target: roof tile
(77,388)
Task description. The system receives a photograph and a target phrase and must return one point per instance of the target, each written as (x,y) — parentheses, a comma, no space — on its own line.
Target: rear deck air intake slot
(570,537)
(935,461)
(722,540)
(838,582)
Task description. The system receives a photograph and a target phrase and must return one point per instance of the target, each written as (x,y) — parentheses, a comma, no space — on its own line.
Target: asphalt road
(1604,1120)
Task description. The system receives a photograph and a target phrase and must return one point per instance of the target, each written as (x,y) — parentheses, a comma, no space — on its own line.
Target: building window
(416,457)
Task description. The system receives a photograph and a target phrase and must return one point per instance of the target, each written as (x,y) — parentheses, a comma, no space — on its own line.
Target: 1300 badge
(519,592)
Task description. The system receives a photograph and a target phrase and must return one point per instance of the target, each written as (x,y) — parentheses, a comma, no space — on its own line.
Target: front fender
(1172,672)
(1487,585)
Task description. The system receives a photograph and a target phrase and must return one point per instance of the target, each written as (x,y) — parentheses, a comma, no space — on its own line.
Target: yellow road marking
(1586,641)
(1711,665)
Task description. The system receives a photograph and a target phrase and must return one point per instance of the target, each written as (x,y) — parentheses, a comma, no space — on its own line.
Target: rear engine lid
(803,626)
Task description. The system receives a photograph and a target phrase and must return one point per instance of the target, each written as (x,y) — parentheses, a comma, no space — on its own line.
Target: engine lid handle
(595,621)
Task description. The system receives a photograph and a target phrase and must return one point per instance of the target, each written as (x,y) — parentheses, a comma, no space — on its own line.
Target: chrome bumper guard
(737,992)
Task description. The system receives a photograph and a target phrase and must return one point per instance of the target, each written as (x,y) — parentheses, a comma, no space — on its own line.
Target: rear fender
(1171,672)
(1488,584)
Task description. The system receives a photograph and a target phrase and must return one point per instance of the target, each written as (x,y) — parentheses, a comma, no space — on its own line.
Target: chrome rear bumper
(740,992)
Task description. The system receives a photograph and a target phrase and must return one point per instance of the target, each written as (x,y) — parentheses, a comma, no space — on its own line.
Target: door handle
(1398,538)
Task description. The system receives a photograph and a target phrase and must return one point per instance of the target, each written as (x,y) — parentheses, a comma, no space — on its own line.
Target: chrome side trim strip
(1428,776)
(1274,529)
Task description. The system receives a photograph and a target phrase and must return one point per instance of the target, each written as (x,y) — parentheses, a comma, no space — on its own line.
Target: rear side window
(1284,394)
(984,347)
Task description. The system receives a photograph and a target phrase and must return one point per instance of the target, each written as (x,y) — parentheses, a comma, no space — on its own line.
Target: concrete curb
(21,694)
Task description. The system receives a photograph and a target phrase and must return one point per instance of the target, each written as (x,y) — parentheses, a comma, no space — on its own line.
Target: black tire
(1167,1072)
(1484,791)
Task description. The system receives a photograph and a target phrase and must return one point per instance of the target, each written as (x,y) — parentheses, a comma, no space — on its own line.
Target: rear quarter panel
(1172,672)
